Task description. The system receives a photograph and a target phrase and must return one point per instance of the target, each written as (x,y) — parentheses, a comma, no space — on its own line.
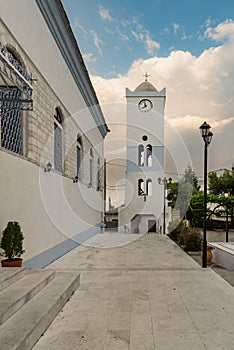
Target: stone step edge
(21,299)
(10,275)
(15,335)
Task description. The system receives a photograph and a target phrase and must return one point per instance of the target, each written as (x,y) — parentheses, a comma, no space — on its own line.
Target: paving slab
(144,294)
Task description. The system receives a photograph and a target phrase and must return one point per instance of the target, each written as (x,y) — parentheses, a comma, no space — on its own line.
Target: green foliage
(187,237)
(12,241)
(175,228)
(190,239)
(191,178)
(180,193)
(195,211)
(218,185)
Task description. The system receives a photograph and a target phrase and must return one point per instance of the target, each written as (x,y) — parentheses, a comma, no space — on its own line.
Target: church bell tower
(144,159)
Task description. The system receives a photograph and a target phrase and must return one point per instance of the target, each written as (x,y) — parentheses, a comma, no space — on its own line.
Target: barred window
(11,117)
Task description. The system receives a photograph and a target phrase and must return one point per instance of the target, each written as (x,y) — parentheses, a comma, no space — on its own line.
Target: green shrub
(175,228)
(190,239)
(187,237)
(12,241)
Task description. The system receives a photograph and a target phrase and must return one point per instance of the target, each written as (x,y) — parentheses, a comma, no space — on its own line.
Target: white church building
(144,195)
(52,132)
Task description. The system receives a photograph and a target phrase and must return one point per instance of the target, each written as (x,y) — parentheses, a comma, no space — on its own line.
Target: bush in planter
(190,239)
(12,241)
(175,229)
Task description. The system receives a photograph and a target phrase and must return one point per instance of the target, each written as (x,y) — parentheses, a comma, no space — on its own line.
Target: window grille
(11,120)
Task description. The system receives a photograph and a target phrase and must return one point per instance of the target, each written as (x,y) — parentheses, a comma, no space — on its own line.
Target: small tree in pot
(12,244)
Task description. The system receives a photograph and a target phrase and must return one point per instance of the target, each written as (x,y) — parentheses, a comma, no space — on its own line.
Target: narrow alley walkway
(143,295)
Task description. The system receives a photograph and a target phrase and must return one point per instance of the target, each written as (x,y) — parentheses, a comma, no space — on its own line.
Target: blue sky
(112,34)
(185,46)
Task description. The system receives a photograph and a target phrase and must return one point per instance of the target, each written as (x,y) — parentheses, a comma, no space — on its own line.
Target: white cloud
(222,32)
(77,25)
(176,27)
(88,57)
(105,14)
(122,36)
(198,89)
(143,36)
(208,22)
(97,42)
(151,45)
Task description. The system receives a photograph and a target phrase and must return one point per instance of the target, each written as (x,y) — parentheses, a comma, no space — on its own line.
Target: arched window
(98,175)
(149,187)
(141,155)
(91,167)
(141,187)
(58,140)
(79,154)
(149,155)
(11,114)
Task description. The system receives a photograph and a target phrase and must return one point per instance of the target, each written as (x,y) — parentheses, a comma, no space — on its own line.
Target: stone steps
(17,294)
(9,276)
(29,304)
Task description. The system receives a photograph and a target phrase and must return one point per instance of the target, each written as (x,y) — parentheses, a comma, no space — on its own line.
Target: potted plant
(12,245)
(209,253)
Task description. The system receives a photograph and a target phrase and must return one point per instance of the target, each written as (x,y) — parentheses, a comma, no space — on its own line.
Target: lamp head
(209,137)
(206,134)
(204,129)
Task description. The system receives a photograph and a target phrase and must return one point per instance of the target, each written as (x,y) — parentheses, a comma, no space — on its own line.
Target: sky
(185,46)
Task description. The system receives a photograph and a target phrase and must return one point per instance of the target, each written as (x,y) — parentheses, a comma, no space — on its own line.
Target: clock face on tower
(145,105)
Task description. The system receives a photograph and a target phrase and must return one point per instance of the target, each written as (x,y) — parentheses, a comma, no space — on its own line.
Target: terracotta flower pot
(208,256)
(12,263)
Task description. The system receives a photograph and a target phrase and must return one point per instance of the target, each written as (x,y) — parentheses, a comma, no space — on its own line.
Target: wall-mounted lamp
(143,194)
(75,180)
(48,167)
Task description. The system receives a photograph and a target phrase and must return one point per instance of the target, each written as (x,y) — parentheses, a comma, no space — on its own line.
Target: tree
(218,186)
(180,193)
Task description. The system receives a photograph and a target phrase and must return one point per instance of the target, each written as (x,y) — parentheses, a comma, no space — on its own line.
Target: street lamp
(226,195)
(164,183)
(207,137)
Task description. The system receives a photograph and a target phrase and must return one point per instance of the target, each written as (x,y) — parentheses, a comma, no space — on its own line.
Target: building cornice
(58,23)
(161,93)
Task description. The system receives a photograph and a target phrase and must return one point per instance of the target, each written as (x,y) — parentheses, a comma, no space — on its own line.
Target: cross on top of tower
(146,75)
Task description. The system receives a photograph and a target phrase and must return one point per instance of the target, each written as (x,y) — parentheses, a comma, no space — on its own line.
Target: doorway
(151,226)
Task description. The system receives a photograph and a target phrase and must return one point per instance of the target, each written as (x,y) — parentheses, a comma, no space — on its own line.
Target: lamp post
(164,183)
(207,137)
(226,195)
